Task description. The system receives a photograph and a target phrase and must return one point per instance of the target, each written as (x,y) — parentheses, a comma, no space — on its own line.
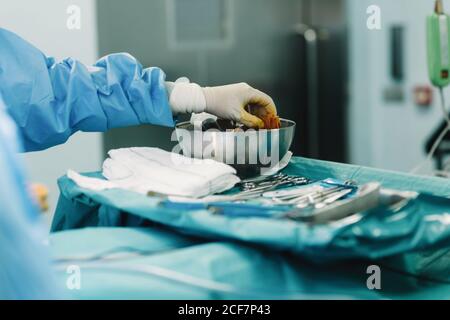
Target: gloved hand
(239,102)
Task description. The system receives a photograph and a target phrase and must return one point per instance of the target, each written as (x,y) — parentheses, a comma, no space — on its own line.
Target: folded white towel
(146,170)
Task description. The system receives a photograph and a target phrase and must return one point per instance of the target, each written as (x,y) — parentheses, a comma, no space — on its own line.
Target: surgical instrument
(367,198)
(273,181)
(292,196)
(318,197)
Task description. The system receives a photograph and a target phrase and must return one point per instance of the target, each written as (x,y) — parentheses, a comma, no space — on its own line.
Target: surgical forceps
(255,189)
(270,182)
(312,194)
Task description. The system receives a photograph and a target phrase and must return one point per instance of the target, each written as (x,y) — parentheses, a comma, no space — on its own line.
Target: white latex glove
(226,102)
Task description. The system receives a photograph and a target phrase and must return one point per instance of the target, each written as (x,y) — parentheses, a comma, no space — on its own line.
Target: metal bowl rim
(291,125)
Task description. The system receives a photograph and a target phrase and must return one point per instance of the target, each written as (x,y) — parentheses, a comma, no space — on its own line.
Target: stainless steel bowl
(248,152)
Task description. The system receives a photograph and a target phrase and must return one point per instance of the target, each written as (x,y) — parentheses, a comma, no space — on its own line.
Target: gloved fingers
(262,106)
(264,101)
(257,110)
(250,120)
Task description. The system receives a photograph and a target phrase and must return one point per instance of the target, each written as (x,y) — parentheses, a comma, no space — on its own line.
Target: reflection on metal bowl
(248,152)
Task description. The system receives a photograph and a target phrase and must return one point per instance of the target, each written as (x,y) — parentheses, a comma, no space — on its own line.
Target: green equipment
(438,45)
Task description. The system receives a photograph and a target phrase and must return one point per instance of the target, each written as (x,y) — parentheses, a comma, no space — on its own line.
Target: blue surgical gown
(50,100)
(25,270)
(42,103)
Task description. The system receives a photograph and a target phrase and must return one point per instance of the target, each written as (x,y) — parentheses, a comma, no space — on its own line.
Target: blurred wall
(43,23)
(383,134)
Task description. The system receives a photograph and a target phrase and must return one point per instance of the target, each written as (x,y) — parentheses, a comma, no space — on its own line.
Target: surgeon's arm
(50,101)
